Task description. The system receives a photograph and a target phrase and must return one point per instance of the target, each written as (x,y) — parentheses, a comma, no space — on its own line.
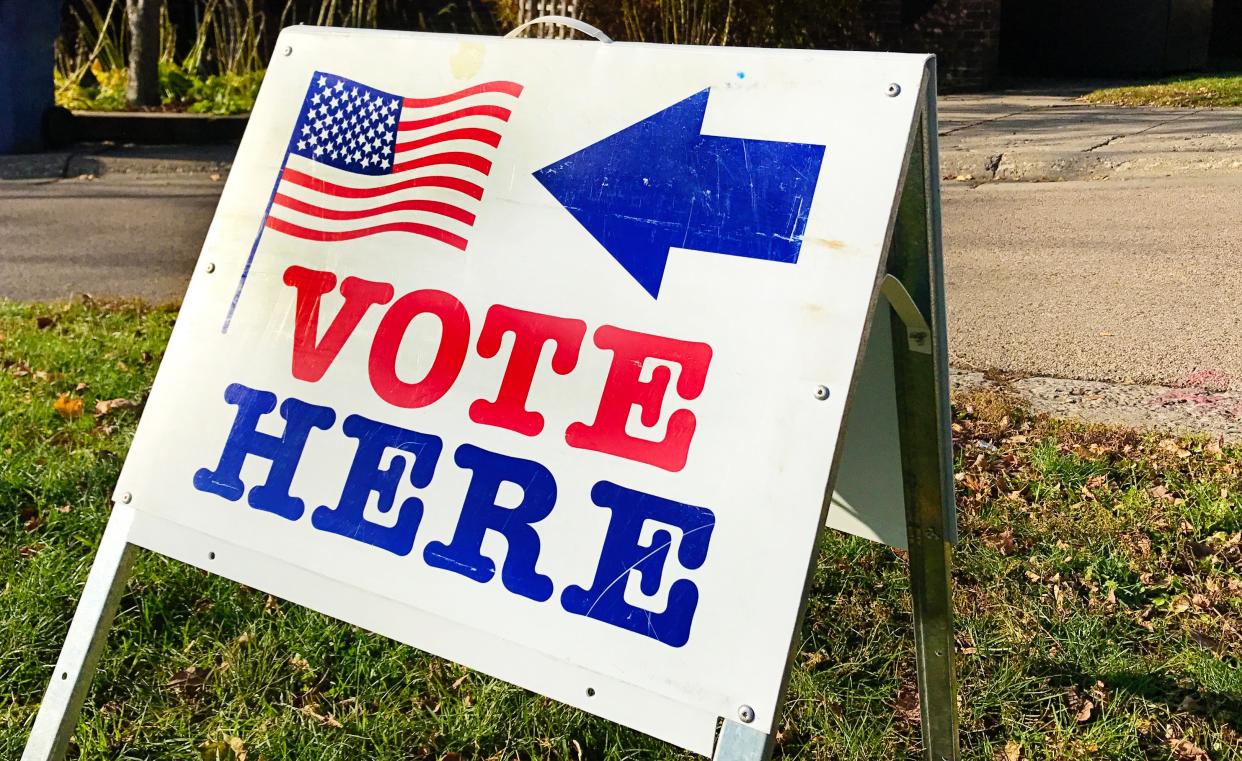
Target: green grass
(1195,91)
(1096,566)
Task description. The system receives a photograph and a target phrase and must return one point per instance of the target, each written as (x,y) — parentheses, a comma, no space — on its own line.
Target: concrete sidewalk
(1039,138)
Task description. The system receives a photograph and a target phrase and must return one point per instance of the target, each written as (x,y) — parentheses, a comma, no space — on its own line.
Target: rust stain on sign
(467,60)
(828,243)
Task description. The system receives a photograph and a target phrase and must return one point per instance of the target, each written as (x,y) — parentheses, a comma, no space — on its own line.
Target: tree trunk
(143,85)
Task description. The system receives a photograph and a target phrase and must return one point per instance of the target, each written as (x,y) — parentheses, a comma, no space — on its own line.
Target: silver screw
(892,91)
(821,392)
(126,498)
(746,714)
(287,50)
(211,267)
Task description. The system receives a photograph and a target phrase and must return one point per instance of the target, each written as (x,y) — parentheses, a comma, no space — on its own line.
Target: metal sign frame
(910,283)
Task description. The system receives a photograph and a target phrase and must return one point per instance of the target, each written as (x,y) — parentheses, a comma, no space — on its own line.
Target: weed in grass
(1098,597)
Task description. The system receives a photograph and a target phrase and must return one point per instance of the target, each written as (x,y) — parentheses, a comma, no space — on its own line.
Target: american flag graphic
(362,161)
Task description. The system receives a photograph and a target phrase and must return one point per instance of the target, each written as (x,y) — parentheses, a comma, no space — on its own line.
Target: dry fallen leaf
(1002,542)
(1185,750)
(907,704)
(30,550)
(104,406)
(67,407)
(1084,713)
(188,681)
(1012,752)
(813,659)
(230,749)
(328,720)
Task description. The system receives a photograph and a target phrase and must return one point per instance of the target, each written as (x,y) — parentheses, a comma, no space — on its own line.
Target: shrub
(757,23)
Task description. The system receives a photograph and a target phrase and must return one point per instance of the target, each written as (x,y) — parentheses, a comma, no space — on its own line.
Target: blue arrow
(660,183)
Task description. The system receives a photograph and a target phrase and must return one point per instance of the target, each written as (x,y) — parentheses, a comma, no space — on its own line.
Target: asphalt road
(128,237)
(1119,280)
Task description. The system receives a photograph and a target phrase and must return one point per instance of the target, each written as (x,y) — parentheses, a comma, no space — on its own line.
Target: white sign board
(535,354)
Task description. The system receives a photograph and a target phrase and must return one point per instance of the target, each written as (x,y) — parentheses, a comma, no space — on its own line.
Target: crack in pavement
(993,119)
(1145,129)
(994,163)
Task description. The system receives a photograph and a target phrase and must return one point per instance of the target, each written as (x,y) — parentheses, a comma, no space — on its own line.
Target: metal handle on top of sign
(569,21)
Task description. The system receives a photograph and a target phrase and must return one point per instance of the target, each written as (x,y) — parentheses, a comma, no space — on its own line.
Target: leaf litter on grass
(1098,593)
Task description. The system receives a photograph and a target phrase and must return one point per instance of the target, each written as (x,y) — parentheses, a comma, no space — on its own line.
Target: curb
(1019,167)
(1048,166)
(94,161)
(33,166)
(155,128)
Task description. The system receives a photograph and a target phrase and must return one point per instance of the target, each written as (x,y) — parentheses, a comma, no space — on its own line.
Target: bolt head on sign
(506,352)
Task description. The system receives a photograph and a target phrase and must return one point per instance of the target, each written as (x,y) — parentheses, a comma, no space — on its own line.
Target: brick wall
(964,35)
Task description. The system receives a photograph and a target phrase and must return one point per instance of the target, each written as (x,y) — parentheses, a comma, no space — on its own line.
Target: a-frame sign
(553,358)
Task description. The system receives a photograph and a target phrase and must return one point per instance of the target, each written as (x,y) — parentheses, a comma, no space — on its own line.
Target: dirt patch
(1183,410)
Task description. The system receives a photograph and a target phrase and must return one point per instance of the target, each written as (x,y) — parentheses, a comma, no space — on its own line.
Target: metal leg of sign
(738,742)
(58,713)
(921,369)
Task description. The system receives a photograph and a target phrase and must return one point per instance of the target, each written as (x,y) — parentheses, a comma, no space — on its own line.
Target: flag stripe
(433,207)
(496,112)
(417,228)
(467,133)
(508,88)
(466,187)
(455,158)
